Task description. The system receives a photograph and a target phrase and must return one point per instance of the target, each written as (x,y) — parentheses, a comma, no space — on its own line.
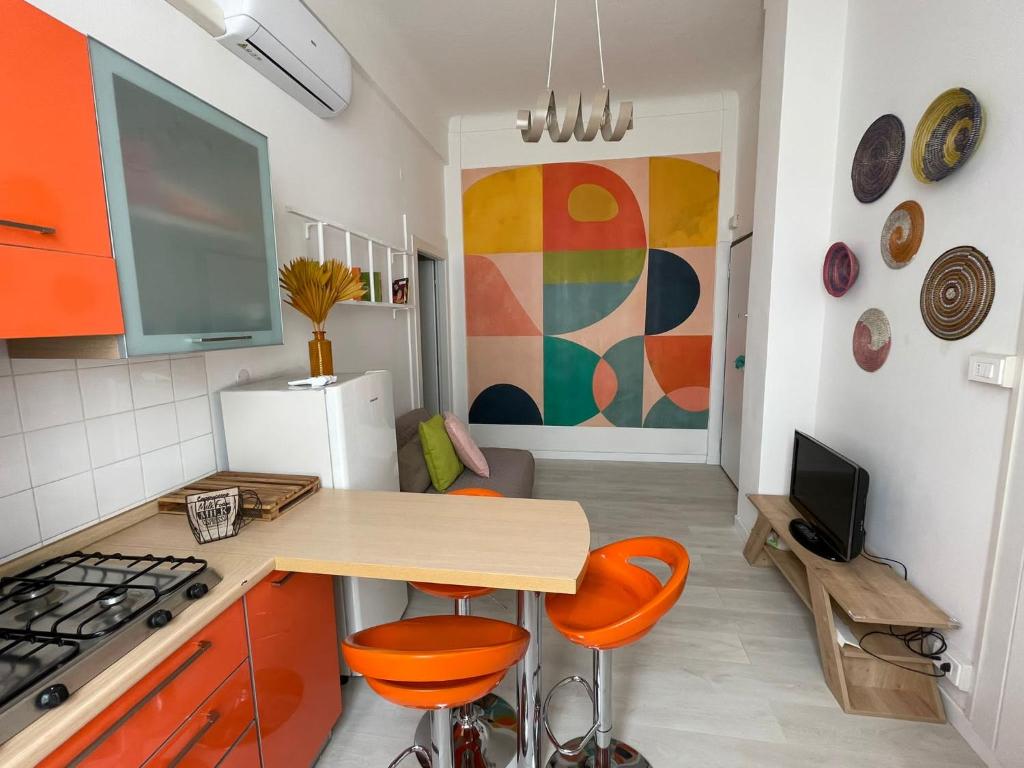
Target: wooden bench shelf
(870,597)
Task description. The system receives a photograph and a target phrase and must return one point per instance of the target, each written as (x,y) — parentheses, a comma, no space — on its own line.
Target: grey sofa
(511,469)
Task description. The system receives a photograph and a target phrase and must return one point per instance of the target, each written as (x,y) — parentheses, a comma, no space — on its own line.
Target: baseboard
(664,458)
(963,726)
(741,529)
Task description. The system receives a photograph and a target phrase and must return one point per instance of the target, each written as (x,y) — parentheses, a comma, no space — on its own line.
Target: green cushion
(442,462)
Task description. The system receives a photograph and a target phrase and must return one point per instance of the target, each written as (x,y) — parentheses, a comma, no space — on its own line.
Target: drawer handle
(283,580)
(211,720)
(30,227)
(203,647)
(215,339)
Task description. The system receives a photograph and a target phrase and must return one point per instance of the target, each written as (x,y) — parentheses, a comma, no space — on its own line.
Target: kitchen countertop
(524,544)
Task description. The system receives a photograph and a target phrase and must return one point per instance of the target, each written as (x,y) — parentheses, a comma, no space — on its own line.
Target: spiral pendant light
(532,123)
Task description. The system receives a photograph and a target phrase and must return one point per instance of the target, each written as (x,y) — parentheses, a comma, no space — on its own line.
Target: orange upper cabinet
(49,293)
(294,647)
(57,277)
(51,178)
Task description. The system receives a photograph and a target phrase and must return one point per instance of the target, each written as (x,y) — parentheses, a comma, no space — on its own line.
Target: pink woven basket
(840,270)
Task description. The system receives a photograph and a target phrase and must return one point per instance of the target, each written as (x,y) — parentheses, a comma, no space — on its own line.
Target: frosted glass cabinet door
(188,189)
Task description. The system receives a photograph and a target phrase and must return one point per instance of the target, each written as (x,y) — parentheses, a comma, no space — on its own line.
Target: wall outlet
(961,674)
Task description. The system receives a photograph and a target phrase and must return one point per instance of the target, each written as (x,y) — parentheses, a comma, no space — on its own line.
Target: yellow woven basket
(947,135)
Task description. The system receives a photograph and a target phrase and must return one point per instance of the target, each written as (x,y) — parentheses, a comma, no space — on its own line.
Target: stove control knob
(52,697)
(160,619)
(197,590)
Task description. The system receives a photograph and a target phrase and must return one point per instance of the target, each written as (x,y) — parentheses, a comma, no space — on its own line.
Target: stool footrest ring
(415,749)
(562,748)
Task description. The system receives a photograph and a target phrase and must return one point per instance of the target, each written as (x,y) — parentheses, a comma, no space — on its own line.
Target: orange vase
(321,362)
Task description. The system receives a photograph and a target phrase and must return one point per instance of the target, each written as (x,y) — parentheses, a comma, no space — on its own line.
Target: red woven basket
(840,270)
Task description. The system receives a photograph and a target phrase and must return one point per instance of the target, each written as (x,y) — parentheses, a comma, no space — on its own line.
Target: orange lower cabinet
(135,726)
(47,293)
(245,753)
(294,648)
(208,735)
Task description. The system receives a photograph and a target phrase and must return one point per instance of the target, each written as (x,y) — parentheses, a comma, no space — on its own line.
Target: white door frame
(733,315)
(1001,618)
(439,255)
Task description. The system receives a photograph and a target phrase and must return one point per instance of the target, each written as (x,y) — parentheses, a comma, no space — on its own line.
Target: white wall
(746,156)
(800,88)
(677,126)
(937,446)
(932,441)
(380,55)
(364,168)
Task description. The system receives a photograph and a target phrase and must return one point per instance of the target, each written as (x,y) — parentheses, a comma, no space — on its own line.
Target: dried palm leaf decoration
(313,288)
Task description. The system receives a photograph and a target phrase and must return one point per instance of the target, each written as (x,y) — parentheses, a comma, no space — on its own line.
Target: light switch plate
(993,369)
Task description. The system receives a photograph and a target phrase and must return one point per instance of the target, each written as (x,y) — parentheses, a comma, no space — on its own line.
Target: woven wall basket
(840,270)
(878,158)
(957,293)
(872,340)
(902,233)
(947,135)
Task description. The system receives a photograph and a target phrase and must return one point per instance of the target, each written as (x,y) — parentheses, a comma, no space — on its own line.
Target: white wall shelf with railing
(365,253)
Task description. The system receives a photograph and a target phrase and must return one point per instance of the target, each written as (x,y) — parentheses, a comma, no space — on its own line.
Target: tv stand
(873,597)
(807,536)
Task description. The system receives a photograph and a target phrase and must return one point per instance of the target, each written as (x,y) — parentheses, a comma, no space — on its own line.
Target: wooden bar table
(532,546)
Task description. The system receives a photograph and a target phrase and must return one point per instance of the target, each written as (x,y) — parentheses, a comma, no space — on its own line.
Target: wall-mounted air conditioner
(292,48)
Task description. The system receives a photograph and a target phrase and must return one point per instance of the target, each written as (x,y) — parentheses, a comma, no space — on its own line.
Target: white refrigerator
(345,433)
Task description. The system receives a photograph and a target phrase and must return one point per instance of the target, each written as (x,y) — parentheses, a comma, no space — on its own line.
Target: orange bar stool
(435,663)
(617,603)
(485,728)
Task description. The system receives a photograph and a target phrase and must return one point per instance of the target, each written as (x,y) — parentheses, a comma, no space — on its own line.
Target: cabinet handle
(204,646)
(30,227)
(214,339)
(211,720)
(283,580)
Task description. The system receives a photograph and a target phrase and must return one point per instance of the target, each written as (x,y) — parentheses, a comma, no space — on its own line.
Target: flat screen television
(830,492)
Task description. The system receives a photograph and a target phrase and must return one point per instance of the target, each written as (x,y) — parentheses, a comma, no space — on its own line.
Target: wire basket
(217,515)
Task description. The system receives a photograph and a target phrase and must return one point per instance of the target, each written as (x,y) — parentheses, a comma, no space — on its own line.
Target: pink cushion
(467,449)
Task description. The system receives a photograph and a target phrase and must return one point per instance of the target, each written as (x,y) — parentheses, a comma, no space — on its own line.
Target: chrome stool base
(618,755)
(489,741)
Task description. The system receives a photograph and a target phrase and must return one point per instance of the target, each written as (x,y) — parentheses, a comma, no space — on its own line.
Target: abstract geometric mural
(590,290)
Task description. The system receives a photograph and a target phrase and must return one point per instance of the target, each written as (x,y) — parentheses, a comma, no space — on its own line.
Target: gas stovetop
(64,621)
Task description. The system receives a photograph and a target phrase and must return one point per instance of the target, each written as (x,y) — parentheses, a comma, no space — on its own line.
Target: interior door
(1010,737)
(735,345)
(429,334)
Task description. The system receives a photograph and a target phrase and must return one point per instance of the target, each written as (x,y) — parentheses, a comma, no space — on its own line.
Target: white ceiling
(489,55)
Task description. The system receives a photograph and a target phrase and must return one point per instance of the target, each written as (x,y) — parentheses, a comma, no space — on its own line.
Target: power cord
(888,561)
(914,640)
(909,639)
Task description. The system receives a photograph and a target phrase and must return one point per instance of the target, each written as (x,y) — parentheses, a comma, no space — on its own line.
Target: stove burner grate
(97,593)
(26,659)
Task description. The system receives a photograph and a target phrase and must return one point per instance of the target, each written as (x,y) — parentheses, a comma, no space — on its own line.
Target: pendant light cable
(551,50)
(532,123)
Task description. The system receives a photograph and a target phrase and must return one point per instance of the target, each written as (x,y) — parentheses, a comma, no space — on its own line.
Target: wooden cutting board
(277,492)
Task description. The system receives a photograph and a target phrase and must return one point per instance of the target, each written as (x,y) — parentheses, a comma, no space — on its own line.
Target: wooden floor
(729,679)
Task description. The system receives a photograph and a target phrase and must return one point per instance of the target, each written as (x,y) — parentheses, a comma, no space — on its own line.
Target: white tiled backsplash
(84,440)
